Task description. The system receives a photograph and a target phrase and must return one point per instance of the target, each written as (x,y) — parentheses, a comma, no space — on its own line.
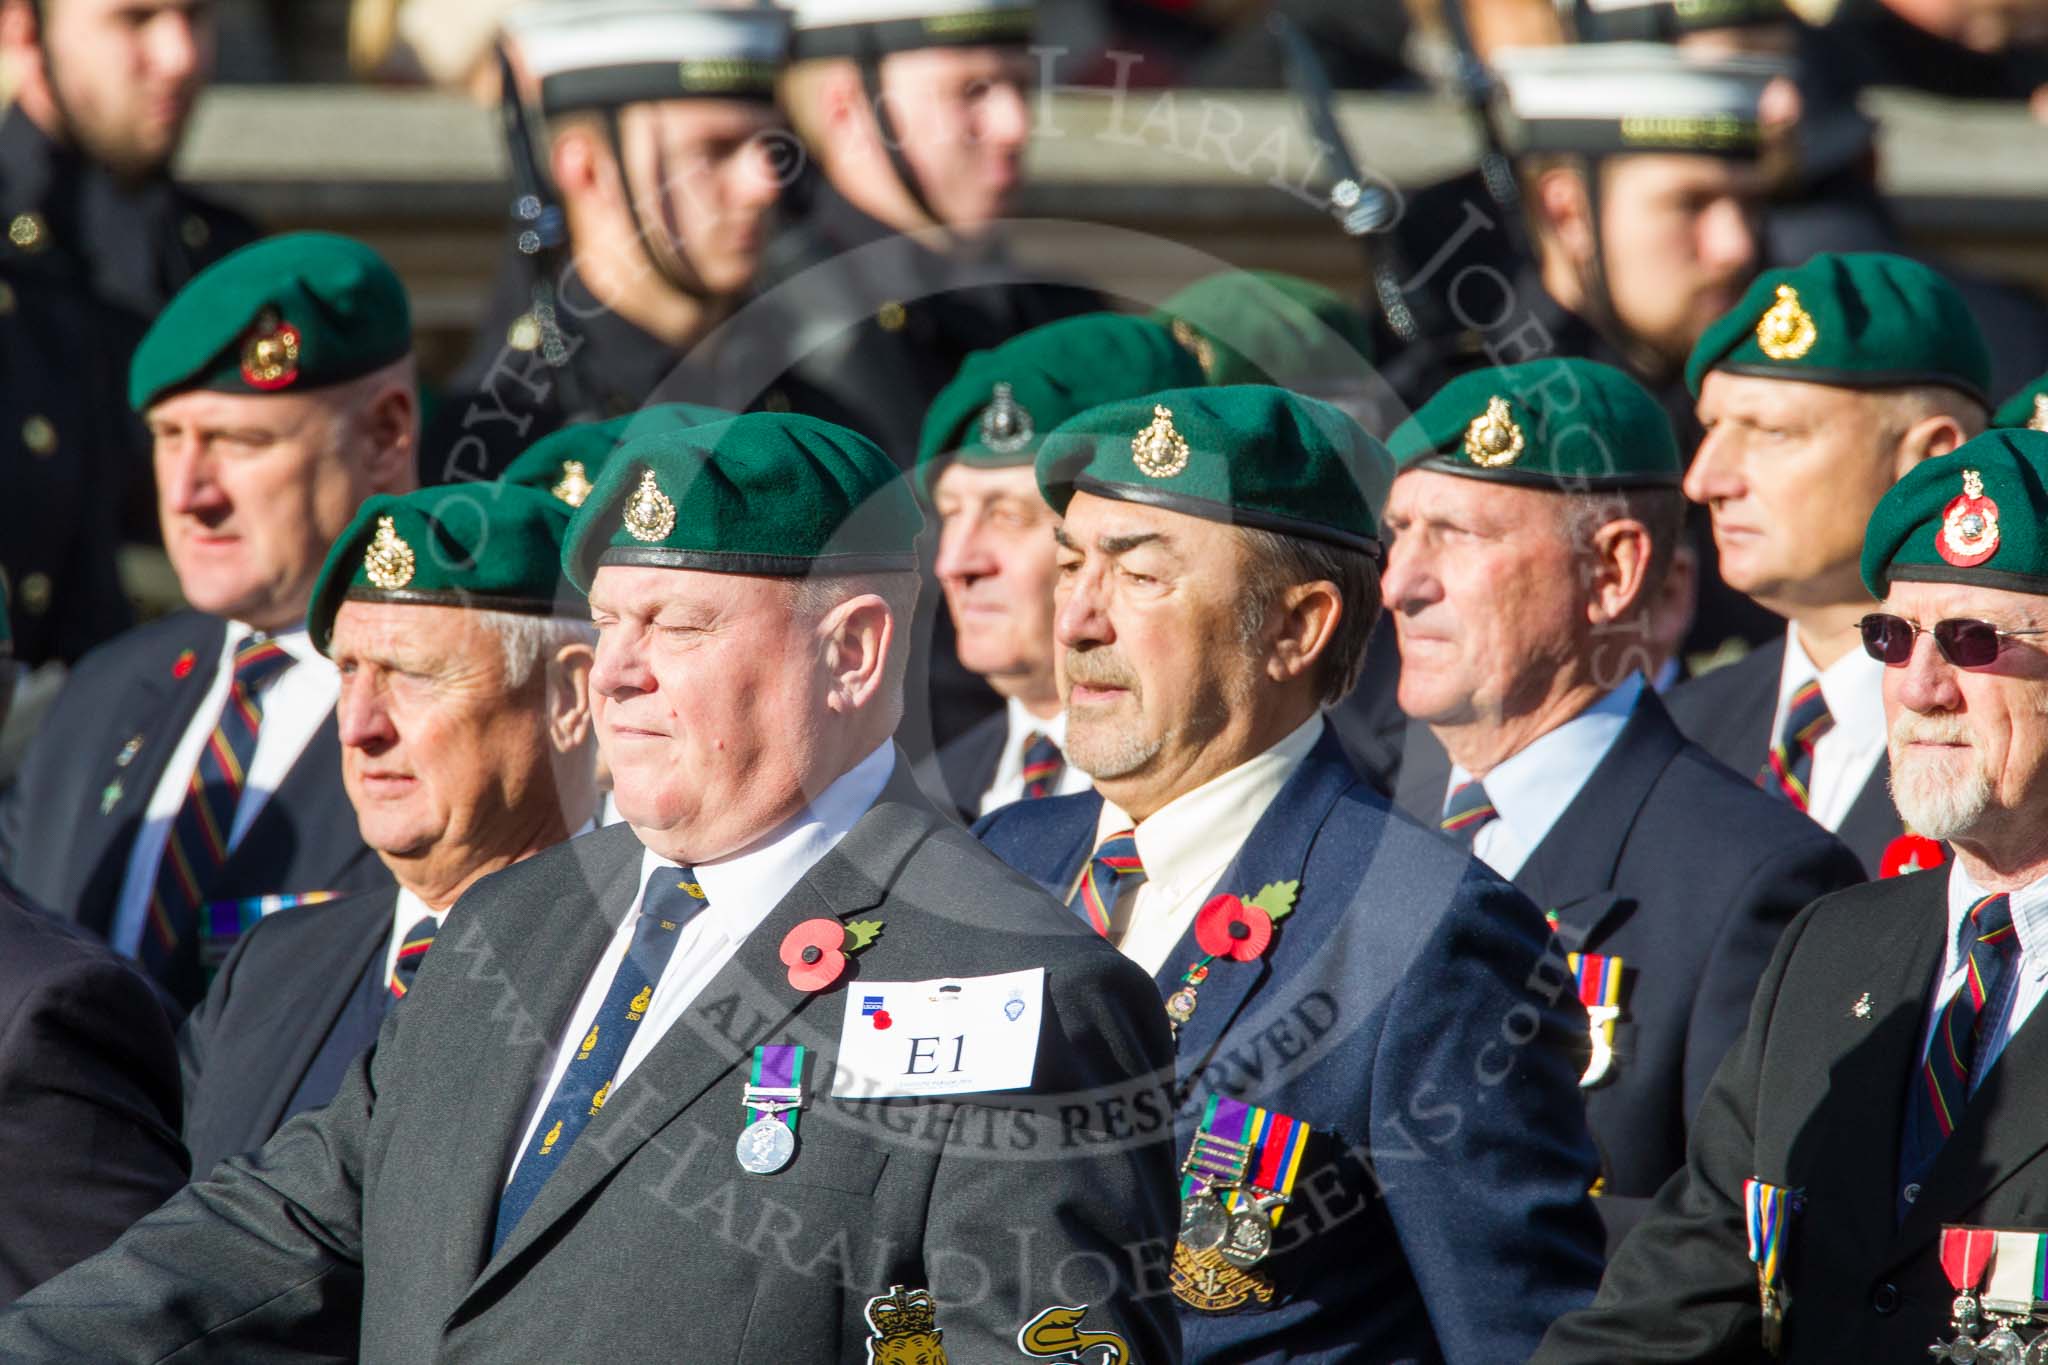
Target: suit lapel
(1747,727)
(1571,870)
(1276,851)
(307,1020)
(744,1004)
(305,836)
(1872,822)
(1425,775)
(159,705)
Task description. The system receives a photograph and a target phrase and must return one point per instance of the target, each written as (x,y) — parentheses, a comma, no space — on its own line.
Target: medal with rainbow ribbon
(1768,1211)
(1597,977)
(1235,1184)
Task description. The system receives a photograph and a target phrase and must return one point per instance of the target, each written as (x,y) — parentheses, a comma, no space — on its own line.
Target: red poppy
(183,667)
(1910,853)
(812,953)
(1227,927)
(882,1019)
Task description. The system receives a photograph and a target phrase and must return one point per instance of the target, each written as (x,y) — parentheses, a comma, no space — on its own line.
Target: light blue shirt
(1531,789)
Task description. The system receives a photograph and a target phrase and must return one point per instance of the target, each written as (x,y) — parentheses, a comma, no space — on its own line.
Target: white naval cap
(598,54)
(869,28)
(1601,98)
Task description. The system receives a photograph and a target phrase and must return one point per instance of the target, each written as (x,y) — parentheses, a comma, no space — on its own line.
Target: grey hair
(816,595)
(1660,510)
(529,641)
(1275,562)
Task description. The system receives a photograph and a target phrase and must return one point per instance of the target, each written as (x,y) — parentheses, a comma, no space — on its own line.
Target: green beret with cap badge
(1268,327)
(771,493)
(1857,319)
(1563,423)
(2026,409)
(1246,455)
(1978,514)
(998,409)
(483,546)
(300,311)
(566,462)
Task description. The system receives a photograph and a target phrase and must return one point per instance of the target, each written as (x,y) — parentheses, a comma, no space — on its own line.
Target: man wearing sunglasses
(1887,1087)
(1823,387)
(1533,520)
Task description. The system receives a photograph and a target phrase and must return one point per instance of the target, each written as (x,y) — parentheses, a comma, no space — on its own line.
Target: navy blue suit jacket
(1728,713)
(71,855)
(280,1004)
(1694,919)
(1408,1012)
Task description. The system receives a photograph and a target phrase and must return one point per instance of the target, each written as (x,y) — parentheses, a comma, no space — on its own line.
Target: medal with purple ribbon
(772,1099)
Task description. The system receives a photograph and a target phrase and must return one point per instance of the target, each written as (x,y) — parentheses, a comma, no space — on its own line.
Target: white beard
(1941,799)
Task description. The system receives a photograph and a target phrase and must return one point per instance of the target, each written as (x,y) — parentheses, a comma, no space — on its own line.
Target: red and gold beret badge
(270,355)
(1969,525)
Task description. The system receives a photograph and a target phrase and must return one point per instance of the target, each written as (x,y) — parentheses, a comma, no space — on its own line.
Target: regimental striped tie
(1116,858)
(1942,1088)
(197,846)
(1466,811)
(673,898)
(1042,764)
(1788,768)
(412,951)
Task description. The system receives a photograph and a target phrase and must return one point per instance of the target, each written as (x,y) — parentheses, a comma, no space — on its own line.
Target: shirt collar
(742,889)
(1852,685)
(1023,725)
(410,910)
(2029,911)
(293,640)
(1183,840)
(1530,789)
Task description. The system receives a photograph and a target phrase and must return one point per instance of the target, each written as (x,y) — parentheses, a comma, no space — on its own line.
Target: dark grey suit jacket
(363,1229)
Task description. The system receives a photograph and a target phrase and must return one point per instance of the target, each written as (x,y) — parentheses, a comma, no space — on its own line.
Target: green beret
(2028,408)
(1978,514)
(1860,320)
(1002,403)
(484,546)
(1266,327)
(1567,424)
(763,493)
(282,315)
(565,462)
(1245,455)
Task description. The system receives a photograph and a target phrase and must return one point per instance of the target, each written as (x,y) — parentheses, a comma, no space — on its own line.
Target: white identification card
(952,1036)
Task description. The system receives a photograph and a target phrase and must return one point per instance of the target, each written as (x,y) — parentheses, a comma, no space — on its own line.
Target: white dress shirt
(2030,920)
(295,701)
(740,892)
(1188,842)
(1847,751)
(1530,790)
(1008,784)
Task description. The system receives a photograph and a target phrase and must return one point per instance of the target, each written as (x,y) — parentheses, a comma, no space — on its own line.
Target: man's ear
(19,39)
(855,638)
(1564,206)
(1619,560)
(1308,614)
(568,697)
(1925,439)
(577,162)
(391,424)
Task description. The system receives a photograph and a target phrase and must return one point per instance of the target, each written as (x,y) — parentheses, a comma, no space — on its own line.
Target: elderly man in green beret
(869,1094)
(188,776)
(1866,1177)
(995,551)
(1536,511)
(1819,391)
(1325,960)
(466,746)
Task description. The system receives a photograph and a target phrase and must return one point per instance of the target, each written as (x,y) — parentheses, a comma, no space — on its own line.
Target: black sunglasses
(1964,643)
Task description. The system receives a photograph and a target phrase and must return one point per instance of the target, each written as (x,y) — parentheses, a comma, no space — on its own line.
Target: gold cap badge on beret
(1494,439)
(1005,423)
(575,485)
(270,357)
(1969,525)
(2039,421)
(389,561)
(649,514)
(1786,330)
(1159,451)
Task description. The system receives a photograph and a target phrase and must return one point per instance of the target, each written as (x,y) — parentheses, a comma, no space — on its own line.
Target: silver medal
(765,1146)
(1203,1223)
(1251,1238)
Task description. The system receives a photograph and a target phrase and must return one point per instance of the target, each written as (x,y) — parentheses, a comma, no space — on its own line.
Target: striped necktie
(1942,1088)
(1788,768)
(673,898)
(1116,858)
(1466,811)
(412,950)
(1042,764)
(196,847)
